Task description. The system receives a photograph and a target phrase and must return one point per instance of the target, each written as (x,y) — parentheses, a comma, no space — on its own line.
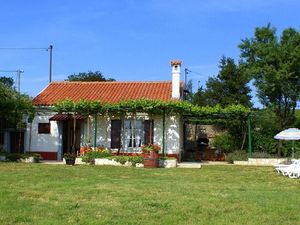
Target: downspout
(30,136)
(249,136)
(163,141)
(95,131)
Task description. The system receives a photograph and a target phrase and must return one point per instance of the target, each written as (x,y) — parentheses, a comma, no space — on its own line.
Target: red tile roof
(103,91)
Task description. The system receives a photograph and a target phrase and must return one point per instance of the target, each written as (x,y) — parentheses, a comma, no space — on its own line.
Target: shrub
(262,155)
(120,159)
(236,156)
(70,156)
(37,157)
(135,160)
(123,159)
(225,142)
(264,142)
(13,157)
(90,157)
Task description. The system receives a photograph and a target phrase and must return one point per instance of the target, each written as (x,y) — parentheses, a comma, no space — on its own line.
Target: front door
(68,136)
(17,142)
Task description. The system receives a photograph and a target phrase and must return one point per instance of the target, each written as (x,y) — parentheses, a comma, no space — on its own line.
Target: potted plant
(70,158)
(150,153)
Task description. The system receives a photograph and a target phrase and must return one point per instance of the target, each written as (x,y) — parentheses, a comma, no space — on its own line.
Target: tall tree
(12,107)
(8,81)
(89,76)
(199,97)
(188,91)
(229,86)
(274,64)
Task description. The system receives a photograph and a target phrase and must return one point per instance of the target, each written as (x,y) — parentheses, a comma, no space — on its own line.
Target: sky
(130,40)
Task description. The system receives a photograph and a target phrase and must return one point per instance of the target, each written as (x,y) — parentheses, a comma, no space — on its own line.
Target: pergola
(154,107)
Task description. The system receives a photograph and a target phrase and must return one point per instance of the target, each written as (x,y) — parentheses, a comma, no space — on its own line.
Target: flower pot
(70,162)
(151,159)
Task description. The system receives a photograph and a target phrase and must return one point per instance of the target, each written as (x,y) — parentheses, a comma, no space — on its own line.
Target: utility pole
(185,91)
(19,79)
(50,73)
(186,71)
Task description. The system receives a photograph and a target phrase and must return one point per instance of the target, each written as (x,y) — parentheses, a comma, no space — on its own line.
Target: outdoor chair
(295,172)
(286,170)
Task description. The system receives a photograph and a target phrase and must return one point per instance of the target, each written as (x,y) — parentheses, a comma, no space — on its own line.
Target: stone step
(190,165)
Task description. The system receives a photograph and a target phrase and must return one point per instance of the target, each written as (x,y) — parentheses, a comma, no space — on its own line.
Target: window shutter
(116,134)
(148,131)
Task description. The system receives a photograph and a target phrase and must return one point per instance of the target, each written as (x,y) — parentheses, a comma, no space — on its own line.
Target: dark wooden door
(116,134)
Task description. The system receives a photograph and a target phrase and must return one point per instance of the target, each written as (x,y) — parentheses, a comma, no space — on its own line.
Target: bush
(13,157)
(70,156)
(262,155)
(119,158)
(236,156)
(225,142)
(136,159)
(123,159)
(37,157)
(90,157)
(264,142)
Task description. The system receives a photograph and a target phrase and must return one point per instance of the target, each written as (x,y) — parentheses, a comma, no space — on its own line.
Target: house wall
(173,133)
(45,144)
(50,145)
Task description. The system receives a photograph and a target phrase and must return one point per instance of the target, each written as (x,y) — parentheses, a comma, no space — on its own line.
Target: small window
(44,128)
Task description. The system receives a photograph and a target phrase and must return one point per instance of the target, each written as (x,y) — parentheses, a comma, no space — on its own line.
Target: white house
(51,134)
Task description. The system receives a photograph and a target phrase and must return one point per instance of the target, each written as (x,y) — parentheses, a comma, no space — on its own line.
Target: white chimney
(176,78)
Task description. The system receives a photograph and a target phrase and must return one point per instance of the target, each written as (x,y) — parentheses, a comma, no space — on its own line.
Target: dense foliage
(13,106)
(274,64)
(90,156)
(131,159)
(89,76)
(154,107)
(225,142)
(229,86)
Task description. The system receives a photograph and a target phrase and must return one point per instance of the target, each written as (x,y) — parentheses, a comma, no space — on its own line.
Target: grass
(59,194)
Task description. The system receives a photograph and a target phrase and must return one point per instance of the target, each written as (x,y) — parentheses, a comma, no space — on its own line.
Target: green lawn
(59,194)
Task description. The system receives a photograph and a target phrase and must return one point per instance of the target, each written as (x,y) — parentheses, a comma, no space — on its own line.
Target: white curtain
(133,134)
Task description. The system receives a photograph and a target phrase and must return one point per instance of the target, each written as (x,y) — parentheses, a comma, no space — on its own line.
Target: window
(131,134)
(44,128)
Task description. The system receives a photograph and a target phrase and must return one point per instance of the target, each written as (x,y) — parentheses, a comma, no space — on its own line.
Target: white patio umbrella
(291,134)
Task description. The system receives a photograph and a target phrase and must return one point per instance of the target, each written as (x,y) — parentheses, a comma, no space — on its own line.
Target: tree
(12,107)
(7,81)
(199,97)
(89,76)
(229,87)
(188,91)
(274,64)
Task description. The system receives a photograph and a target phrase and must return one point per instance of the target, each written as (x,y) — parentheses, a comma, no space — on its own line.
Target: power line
(8,71)
(190,71)
(50,48)
(25,48)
